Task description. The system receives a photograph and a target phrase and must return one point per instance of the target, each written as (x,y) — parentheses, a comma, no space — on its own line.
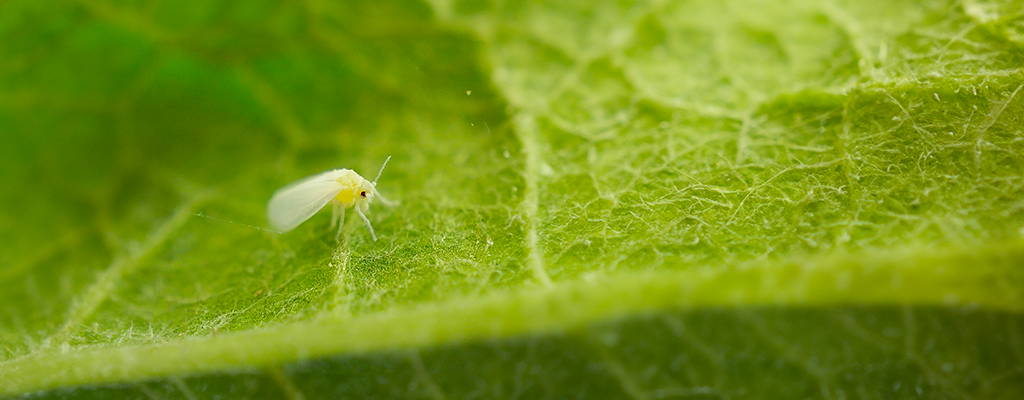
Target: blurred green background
(632,199)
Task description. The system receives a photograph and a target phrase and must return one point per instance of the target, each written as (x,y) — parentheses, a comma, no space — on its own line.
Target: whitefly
(342,188)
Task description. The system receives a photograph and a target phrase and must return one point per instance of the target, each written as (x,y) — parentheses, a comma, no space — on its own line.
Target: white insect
(343,188)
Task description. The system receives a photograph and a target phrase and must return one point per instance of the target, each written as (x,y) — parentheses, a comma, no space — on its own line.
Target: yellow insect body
(343,188)
(353,187)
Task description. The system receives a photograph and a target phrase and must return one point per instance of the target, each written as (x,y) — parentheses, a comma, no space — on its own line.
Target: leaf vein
(108,280)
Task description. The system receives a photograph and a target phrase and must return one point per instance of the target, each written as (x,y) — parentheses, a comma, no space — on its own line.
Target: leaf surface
(598,199)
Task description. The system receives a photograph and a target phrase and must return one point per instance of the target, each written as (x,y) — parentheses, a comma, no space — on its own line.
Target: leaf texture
(638,200)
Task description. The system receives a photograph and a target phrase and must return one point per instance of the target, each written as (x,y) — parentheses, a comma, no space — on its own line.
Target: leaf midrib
(919,275)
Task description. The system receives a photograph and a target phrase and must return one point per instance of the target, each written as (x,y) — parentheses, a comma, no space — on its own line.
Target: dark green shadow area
(766,352)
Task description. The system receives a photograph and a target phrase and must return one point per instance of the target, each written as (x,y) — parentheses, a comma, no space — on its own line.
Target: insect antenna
(381,169)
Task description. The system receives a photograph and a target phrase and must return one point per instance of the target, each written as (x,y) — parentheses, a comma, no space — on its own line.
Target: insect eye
(363,193)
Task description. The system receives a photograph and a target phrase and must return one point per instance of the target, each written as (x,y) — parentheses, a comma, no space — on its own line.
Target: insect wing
(295,203)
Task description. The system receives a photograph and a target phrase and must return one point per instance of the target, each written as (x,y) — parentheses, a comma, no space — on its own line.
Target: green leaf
(636,200)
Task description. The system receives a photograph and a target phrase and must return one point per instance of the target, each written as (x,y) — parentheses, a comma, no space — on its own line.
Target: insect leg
(334,214)
(340,210)
(367,220)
